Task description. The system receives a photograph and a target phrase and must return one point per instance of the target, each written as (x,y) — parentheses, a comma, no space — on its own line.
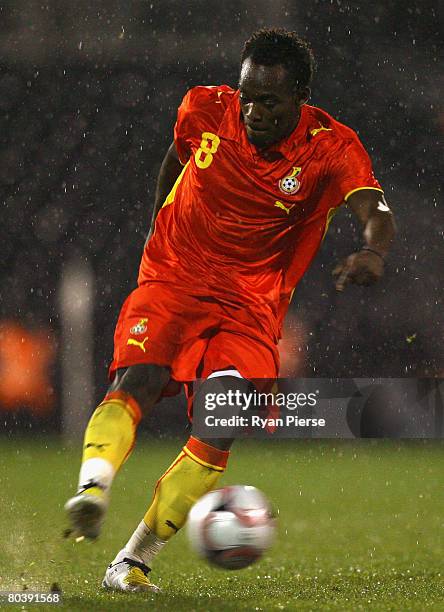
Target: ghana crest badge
(290,184)
(139,328)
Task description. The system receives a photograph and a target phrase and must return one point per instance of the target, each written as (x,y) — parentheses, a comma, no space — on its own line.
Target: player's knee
(144,382)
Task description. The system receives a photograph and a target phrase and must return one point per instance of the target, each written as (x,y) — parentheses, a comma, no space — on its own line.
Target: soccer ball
(231,527)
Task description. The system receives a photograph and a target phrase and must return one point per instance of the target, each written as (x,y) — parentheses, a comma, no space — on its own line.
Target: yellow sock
(194,472)
(109,440)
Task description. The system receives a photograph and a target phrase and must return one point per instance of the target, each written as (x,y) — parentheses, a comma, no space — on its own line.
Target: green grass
(360,527)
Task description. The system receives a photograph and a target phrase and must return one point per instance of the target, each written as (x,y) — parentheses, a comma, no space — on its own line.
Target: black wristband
(367,248)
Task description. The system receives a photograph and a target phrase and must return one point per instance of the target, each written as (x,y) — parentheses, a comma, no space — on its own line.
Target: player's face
(270,105)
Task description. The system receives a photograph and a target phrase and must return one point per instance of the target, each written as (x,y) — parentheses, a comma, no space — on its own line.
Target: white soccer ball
(231,527)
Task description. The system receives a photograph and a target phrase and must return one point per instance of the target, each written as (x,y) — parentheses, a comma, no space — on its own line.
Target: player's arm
(367,265)
(169,171)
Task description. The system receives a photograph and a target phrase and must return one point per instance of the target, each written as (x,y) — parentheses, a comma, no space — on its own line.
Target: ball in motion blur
(232,527)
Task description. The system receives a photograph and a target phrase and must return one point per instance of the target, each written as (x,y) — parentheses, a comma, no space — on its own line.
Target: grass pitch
(360,528)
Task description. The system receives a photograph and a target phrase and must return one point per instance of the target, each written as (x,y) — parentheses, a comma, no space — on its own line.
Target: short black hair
(269,47)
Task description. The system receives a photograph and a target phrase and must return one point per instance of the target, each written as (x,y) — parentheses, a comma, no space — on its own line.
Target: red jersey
(241,228)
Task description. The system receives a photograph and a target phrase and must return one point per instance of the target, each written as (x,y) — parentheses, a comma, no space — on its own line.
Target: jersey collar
(232,128)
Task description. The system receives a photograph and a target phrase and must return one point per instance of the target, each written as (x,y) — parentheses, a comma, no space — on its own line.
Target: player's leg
(201,463)
(109,439)
(195,471)
(110,434)
(146,335)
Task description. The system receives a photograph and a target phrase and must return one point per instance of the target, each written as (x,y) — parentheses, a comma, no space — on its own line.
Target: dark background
(88,97)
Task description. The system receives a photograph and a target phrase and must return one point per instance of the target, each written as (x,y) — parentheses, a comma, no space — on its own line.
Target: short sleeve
(351,170)
(183,129)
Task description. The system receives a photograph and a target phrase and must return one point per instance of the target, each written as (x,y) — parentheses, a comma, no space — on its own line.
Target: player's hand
(362,268)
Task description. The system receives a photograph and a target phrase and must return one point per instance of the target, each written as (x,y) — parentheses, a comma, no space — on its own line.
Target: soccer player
(244,198)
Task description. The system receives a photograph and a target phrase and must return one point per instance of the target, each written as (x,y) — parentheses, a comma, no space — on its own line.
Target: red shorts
(193,336)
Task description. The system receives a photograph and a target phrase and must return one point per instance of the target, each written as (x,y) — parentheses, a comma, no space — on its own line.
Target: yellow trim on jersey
(216,468)
(331,213)
(170,197)
(360,189)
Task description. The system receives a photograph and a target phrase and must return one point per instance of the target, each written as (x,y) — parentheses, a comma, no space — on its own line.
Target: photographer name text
(262,422)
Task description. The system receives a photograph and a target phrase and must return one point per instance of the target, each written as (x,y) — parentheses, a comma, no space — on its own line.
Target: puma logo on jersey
(141,345)
(281,205)
(219,93)
(320,129)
